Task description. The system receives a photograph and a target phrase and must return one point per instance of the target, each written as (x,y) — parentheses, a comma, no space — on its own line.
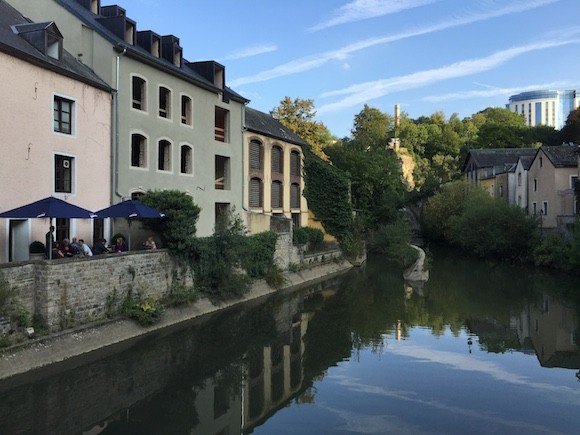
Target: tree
(371,127)
(298,115)
(571,130)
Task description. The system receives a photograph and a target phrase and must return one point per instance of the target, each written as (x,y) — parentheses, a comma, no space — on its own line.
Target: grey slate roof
(527,162)
(562,156)
(497,157)
(263,123)
(90,19)
(17,46)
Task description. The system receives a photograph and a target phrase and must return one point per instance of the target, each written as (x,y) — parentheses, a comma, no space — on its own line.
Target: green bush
(300,236)
(177,229)
(552,251)
(313,236)
(393,241)
(180,294)
(257,256)
(441,207)
(146,312)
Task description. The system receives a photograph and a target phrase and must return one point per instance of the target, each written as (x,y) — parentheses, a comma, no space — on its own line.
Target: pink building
(56,133)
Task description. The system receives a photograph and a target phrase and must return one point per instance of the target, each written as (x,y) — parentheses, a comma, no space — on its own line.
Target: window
(63,114)
(545,208)
(186,110)
(129,33)
(222,173)
(139,93)
(138,151)
(534,207)
(277,161)
(295,163)
(296,220)
(535,185)
(136,196)
(573,181)
(277,194)
(256,193)
(164,155)
(501,190)
(294,195)
(256,156)
(221,125)
(222,212)
(541,161)
(63,174)
(164,102)
(62,229)
(519,178)
(519,200)
(186,160)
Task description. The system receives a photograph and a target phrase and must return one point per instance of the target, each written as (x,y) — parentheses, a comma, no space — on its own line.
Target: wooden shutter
(295,163)
(276,160)
(255,192)
(276,194)
(255,156)
(294,196)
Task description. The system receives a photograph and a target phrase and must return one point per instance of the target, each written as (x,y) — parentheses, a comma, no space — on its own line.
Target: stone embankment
(75,346)
(417,272)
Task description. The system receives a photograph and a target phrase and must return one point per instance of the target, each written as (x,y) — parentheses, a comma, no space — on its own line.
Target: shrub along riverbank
(465,216)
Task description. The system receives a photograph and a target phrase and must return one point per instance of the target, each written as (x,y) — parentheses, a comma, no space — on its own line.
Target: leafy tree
(177,230)
(371,127)
(298,115)
(571,130)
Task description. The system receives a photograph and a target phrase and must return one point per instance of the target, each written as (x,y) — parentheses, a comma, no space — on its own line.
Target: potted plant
(37,250)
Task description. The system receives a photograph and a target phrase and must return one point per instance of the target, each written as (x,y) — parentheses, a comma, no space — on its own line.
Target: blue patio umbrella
(50,208)
(130,209)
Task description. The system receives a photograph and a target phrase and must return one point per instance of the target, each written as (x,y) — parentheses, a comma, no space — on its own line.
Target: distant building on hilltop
(544,107)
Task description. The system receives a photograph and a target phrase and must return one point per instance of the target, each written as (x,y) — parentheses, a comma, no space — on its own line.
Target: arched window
(294,195)
(186,110)
(138,151)
(164,155)
(277,194)
(295,163)
(164,102)
(186,161)
(139,93)
(256,193)
(137,195)
(277,161)
(256,156)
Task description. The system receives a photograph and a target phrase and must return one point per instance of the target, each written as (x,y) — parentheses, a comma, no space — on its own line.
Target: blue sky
(427,55)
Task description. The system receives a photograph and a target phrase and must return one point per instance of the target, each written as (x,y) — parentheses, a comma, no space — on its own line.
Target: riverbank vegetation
(466,217)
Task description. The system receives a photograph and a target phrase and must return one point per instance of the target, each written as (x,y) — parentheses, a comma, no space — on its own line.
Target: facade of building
(56,135)
(273,169)
(177,125)
(551,180)
(544,107)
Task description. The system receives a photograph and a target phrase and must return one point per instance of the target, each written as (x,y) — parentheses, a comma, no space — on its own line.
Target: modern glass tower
(545,107)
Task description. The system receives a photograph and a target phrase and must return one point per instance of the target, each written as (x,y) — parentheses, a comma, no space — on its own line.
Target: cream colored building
(544,107)
(56,133)
(273,182)
(551,180)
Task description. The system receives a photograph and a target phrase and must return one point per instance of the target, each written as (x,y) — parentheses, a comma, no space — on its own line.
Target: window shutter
(295,196)
(255,192)
(276,160)
(255,156)
(295,163)
(276,194)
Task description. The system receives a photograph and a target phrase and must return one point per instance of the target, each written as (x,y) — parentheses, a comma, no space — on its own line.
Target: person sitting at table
(85,250)
(100,247)
(75,246)
(120,245)
(150,243)
(66,248)
(57,251)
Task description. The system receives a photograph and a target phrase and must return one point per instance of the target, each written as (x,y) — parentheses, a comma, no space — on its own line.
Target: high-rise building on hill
(545,107)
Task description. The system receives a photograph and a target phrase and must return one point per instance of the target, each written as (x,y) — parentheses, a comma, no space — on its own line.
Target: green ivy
(327,192)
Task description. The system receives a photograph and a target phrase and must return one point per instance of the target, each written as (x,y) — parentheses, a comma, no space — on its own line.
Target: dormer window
(155,47)
(45,37)
(95,6)
(129,32)
(218,78)
(177,58)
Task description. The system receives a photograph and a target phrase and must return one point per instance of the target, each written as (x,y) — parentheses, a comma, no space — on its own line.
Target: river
(479,348)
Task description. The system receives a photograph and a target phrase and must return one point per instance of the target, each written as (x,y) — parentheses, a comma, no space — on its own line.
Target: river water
(479,348)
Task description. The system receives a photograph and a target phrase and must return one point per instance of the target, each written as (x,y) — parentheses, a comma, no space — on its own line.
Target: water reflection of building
(551,328)
(275,374)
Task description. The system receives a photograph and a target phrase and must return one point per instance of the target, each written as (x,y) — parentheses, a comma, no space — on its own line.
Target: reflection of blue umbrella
(50,207)
(130,209)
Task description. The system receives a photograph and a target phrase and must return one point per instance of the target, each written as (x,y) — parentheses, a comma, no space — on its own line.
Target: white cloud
(364,92)
(254,50)
(358,10)
(493,91)
(308,63)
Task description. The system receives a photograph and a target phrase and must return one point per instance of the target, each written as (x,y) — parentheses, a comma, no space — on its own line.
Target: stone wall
(75,291)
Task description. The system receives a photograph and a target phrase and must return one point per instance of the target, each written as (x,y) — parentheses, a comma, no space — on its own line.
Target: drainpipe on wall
(115,139)
(243,115)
